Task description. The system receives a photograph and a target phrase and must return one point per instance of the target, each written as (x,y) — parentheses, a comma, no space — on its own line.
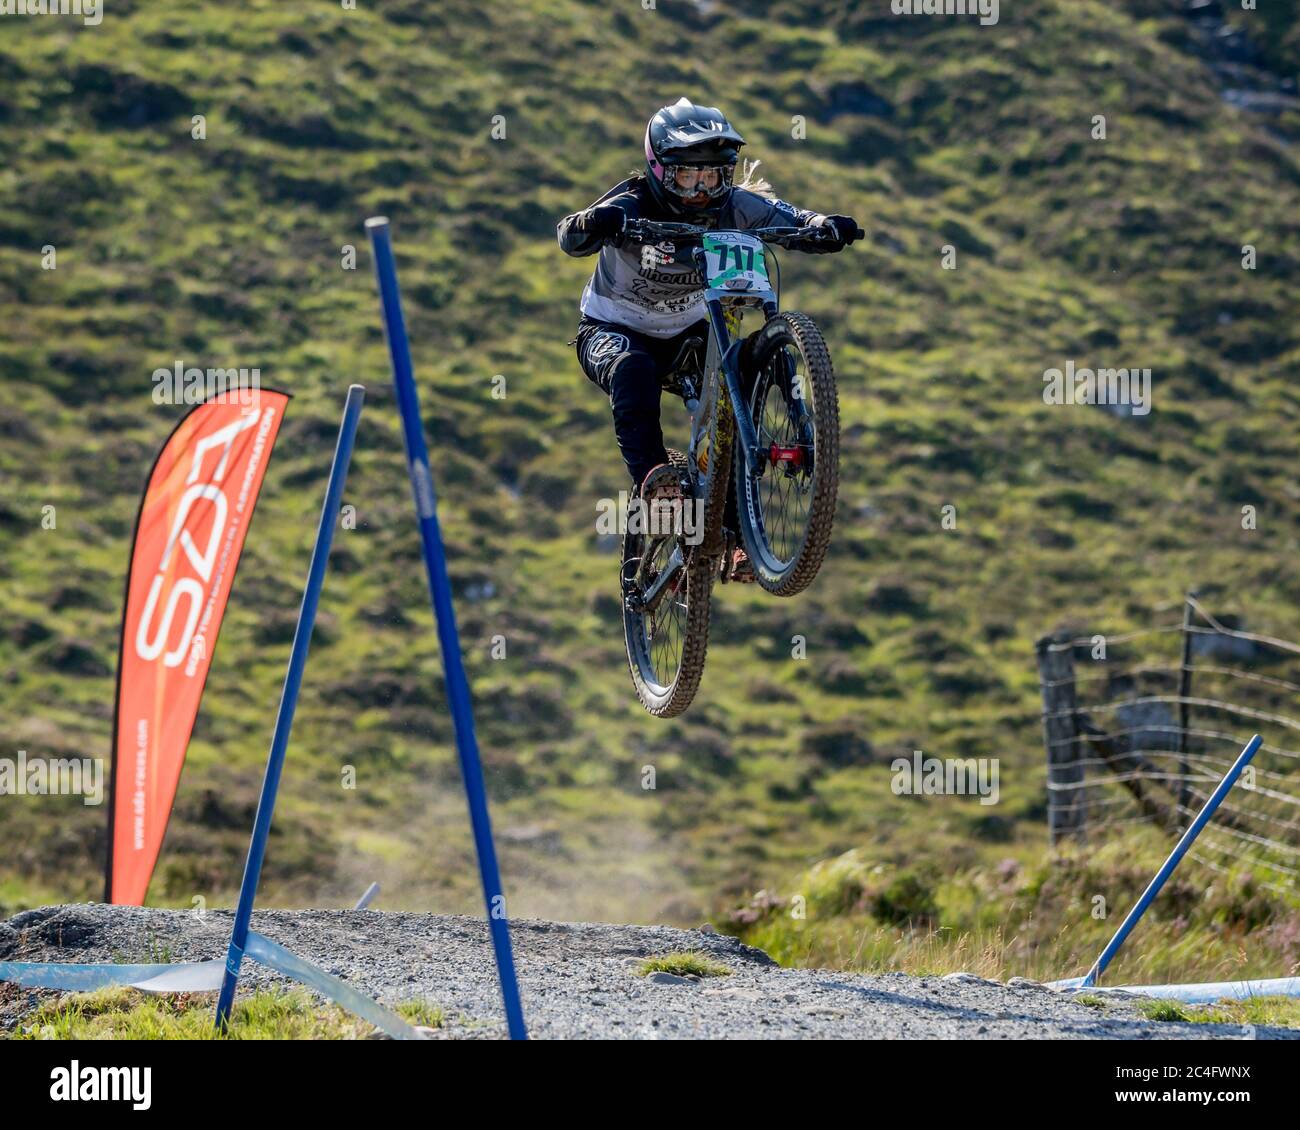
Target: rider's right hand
(605,222)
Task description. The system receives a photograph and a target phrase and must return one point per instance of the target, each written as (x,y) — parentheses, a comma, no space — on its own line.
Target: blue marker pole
(289,698)
(1175,856)
(435,562)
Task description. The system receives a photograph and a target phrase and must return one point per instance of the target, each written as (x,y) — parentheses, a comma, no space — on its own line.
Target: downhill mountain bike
(764,423)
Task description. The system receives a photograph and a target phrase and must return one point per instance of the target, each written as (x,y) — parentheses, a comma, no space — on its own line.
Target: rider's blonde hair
(752,182)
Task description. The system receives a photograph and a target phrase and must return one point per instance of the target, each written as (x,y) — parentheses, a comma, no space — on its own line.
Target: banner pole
(289,699)
(1167,868)
(435,563)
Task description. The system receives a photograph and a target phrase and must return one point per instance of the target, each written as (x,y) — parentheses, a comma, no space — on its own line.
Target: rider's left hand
(845,230)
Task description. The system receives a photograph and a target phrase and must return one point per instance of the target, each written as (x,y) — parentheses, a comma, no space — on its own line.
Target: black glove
(845,227)
(841,230)
(604,221)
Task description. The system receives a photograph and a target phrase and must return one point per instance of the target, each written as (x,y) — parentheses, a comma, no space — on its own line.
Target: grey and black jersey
(658,300)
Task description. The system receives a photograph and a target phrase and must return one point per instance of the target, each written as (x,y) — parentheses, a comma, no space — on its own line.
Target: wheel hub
(789,456)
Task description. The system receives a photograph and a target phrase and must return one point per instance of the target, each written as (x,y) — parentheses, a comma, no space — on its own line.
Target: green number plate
(736,263)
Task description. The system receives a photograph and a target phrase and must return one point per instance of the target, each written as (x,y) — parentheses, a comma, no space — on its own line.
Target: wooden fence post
(1067,803)
(1184,713)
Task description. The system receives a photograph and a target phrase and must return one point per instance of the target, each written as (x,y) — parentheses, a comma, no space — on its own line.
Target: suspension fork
(796,406)
(746,433)
(730,367)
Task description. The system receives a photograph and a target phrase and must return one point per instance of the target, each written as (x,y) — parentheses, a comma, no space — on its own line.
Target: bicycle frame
(721,372)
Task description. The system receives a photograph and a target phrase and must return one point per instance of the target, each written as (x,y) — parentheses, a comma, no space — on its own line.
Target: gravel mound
(579,979)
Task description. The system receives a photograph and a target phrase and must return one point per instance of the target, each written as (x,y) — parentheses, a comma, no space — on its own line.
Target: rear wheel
(666,632)
(788,510)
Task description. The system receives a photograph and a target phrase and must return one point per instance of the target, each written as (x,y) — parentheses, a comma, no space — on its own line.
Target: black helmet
(685,135)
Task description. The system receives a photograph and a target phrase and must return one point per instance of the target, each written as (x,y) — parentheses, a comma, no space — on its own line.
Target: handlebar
(642,230)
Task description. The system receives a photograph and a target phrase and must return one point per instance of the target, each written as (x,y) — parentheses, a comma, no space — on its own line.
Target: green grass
(1275,1012)
(422,1013)
(1280,1012)
(127,1014)
(1026,916)
(155,953)
(685,964)
(1164,1010)
(228,251)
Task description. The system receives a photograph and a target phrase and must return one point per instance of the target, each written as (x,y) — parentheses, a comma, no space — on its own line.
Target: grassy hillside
(229,251)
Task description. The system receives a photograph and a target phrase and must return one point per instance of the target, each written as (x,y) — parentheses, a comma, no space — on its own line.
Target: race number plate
(735,263)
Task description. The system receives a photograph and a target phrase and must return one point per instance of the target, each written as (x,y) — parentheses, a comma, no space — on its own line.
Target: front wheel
(787,510)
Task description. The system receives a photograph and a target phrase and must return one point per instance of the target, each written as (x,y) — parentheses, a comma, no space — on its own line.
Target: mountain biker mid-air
(637,314)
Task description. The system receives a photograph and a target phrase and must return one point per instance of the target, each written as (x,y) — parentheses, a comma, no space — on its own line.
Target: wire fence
(1140,727)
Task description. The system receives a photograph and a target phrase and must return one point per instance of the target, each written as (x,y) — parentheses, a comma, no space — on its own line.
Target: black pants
(630,368)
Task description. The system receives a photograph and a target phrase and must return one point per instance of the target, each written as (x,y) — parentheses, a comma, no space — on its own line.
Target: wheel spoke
(784,492)
(667,622)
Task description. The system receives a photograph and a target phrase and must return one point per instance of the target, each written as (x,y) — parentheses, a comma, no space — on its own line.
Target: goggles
(694,180)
